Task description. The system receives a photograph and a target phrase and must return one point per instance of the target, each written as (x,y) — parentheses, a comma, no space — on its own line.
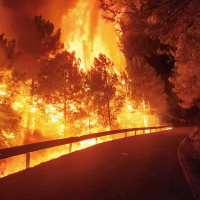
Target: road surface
(144,167)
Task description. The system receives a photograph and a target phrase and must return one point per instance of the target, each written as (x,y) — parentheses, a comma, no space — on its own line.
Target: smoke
(17,21)
(19,18)
(82,30)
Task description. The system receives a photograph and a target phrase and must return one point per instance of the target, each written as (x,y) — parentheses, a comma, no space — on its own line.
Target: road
(144,167)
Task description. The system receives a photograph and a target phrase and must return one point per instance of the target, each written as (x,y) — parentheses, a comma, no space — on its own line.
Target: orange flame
(88,34)
(84,31)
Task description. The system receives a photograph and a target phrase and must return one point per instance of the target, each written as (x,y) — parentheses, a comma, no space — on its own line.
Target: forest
(46,91)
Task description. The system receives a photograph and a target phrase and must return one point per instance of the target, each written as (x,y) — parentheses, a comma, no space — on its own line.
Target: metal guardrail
(28,148)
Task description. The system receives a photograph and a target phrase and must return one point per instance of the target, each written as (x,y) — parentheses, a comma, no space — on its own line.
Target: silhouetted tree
(165,19)
(7,52)
(102,81)
(49,42)
(60,81)
(150,28)
(146,87)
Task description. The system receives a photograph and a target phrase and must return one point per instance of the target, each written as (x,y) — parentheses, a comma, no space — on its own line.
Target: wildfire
(37,120)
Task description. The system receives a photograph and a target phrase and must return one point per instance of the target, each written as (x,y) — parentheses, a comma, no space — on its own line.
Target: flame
(90,35)
(84,31)
(40,121)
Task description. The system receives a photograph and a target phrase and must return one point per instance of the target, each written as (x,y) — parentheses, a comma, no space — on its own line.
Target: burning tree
(48,41)
(102,82)
(43,105)
(60,82)
(9,118)
(146,89)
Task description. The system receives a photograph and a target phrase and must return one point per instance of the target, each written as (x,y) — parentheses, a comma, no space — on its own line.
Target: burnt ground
(142,167)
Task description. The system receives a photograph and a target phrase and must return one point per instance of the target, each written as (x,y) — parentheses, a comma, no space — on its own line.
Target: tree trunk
(65,109)
(65,99)
(88,112)
(108,100)
(108,109)
(29,114)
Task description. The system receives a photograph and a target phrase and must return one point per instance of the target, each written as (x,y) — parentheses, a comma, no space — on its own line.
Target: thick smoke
(18,17)
(20,23)
(17,21)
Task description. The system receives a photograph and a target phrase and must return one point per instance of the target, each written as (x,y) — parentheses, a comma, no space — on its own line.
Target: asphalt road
(142,167)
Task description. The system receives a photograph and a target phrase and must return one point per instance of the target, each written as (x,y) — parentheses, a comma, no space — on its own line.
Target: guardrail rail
(28,148)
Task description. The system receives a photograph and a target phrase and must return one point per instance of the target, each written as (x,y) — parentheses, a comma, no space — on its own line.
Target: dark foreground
(137,168)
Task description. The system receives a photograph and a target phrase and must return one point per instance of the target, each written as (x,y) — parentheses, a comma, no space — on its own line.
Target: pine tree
(102,82)
(7,52)
(49,42)
(146,87)
(60,81)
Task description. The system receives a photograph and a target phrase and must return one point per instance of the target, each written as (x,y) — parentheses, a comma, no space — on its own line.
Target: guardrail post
(135,132)
(143,131)
(125,134)
(150,130)
(70,147)
(28,156)
(96,140)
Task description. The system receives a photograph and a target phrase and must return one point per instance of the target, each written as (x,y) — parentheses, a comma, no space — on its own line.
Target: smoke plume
(17,18)
(17,21)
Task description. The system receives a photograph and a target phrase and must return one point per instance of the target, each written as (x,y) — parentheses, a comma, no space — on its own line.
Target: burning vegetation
(86,76)
(63,95)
